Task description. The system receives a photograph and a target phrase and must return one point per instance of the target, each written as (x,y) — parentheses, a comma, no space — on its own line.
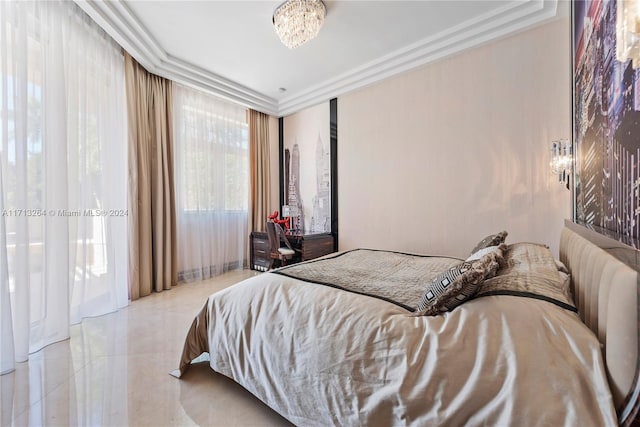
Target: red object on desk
(286,221)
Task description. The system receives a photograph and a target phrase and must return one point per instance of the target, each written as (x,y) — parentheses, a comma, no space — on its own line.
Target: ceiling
(229,48)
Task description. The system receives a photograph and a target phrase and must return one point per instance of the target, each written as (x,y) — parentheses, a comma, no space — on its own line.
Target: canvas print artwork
(307,169)
(606,123)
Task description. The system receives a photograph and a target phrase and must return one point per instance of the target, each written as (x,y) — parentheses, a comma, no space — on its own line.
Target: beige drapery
(152,221)
(260,170)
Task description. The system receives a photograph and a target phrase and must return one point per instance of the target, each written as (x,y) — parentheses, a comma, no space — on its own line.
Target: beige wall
(433,160)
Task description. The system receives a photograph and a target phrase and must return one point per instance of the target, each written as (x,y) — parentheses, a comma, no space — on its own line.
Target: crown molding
(121,24)
(508,19)
(125,28)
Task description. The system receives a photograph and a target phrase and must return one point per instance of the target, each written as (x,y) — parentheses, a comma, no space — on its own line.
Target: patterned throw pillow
(458,284)
(491,240)
(440,285)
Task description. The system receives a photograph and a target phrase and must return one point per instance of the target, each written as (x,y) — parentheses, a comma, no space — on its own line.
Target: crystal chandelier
(298,21)
(628,32)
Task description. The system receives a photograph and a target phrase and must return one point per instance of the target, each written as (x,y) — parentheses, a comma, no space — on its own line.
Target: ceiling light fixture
(298,21)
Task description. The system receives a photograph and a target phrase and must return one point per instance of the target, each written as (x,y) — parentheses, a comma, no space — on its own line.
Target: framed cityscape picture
(308,169)
(606,124)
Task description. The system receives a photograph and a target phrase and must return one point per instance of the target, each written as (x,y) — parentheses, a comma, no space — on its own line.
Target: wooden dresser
(311,246)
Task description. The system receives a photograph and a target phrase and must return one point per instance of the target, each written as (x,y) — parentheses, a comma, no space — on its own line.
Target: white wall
(433,160)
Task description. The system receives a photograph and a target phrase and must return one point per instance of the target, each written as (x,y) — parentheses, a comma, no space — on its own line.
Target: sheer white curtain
(7,355)
(63,164)
(212,183)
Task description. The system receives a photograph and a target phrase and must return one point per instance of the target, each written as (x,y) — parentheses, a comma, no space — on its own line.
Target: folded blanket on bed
(395,277)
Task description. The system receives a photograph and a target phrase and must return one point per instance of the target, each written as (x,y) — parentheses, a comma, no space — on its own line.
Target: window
(214,160)
(63,155)
(211,146)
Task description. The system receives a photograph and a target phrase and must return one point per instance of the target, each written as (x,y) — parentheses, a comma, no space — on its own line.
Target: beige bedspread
(396,277)
(323,356)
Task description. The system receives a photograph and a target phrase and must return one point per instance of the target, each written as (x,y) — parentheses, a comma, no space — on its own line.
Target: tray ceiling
(229,48)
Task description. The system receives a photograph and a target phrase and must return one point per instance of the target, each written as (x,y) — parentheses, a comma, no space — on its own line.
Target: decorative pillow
(491,240)
(493,260)
(479,254)
(458,284)
(530,270)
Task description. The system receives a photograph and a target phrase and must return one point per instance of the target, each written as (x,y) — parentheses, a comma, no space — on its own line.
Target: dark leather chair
(277,251)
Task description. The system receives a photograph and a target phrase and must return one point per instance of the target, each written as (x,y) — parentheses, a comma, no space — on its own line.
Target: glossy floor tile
(114,372)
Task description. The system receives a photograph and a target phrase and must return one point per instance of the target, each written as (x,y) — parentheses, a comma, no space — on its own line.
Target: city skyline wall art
(606,124)
(307,169)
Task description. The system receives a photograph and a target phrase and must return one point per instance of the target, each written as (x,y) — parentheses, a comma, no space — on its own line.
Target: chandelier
(298,21)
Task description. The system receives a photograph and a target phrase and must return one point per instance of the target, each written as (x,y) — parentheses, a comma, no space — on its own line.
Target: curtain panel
(260,170)
(62,162)
(212,184)
(152,221)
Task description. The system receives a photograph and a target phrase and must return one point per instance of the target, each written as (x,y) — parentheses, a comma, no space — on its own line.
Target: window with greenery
(211,158)
(214,152)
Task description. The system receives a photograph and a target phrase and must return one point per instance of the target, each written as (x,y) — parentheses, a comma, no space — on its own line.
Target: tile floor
(114,372)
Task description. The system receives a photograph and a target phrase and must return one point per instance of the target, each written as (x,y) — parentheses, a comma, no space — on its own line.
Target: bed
(537,342)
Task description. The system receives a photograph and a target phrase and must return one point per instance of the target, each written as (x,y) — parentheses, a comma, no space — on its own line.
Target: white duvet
(324,356)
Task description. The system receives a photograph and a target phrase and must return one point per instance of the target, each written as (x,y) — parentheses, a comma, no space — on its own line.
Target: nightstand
(310,245)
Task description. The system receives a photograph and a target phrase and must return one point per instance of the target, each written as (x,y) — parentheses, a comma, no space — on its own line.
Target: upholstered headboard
(605,290)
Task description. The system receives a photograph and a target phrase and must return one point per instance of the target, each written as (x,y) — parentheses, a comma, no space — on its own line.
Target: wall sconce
(628,32)
(562,160)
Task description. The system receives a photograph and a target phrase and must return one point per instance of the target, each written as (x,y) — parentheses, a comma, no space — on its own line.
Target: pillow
(561,267)
(565,284)
(458,284)
(530,270)
(491,240)
(493,260)
(479,254)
